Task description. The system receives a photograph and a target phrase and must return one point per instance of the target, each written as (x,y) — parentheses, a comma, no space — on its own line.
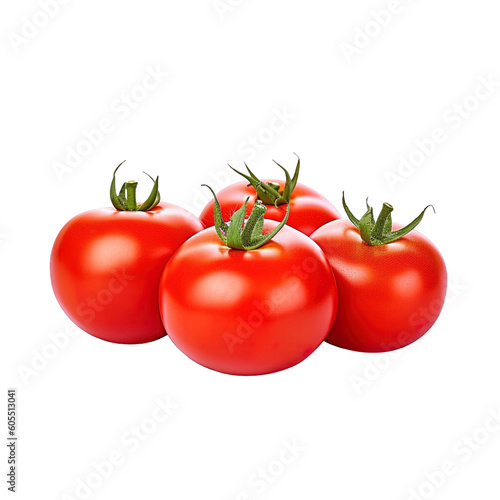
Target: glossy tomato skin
(248,312)
(309,210)
(106,265)
(389,295)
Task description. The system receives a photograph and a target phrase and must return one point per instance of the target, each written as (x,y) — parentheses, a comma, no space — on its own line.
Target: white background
(367,426)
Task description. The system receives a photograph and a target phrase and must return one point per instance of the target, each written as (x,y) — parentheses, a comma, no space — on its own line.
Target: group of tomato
(255,284)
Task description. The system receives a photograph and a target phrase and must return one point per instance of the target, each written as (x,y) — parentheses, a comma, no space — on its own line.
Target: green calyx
(244,235)
(380,232)
(269,193)
(126,200)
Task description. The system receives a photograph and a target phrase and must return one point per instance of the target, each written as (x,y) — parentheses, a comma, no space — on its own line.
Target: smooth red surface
(308,211)
(106,266)
(248,312)
(389,295)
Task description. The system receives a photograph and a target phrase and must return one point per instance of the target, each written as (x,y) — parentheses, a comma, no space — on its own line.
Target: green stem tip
(379,232)
(244,235)
(269,193)
(126,199)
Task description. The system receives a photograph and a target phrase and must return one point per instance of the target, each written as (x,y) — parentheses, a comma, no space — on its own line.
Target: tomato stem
(130,189)
(244,235)
(126,199)
(380,232)
(380,225)
(269,193)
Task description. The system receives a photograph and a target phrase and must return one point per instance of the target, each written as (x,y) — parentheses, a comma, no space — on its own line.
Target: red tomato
(309,210)
(106,265)
(248,312)
(389,295)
